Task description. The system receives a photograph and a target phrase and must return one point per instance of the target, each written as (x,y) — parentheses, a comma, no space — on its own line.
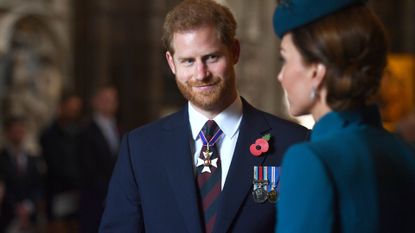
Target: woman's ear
(319,74)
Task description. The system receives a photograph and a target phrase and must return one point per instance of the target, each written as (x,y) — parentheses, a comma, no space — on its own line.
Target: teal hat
(291,14)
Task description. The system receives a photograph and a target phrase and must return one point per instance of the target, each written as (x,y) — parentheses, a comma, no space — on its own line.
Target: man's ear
(169,58)
(236,50)
(319,74)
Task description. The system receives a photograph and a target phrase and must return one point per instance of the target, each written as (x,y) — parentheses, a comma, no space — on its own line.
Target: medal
(273,194)
(259,193)
(266,184)
(208,162)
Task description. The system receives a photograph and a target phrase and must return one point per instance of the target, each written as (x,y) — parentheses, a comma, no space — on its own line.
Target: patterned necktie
(209,173)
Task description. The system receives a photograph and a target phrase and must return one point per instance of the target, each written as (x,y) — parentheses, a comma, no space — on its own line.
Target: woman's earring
(313,93)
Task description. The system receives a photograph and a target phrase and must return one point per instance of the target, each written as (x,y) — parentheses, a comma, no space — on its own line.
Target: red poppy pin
(260,146)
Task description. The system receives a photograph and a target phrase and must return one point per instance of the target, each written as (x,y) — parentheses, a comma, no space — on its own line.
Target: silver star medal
(207,162)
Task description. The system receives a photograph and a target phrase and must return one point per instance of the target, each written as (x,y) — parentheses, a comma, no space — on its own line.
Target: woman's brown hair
(352,44)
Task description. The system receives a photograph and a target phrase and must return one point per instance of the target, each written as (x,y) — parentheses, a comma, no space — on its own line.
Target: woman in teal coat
(352,176)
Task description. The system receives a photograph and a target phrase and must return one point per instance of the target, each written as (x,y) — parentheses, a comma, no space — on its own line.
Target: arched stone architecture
(33,65)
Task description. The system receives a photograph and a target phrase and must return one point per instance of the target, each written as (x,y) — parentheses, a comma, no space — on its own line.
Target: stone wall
(34,61)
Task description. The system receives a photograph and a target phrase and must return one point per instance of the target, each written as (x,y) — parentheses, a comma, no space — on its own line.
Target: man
(171,176)
(60,148)
(99,146)
(21,173)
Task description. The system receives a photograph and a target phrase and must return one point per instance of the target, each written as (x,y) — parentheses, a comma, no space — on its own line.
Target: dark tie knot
(210,128)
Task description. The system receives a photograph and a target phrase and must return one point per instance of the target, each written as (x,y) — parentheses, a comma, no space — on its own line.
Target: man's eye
(212,58)
(187,62)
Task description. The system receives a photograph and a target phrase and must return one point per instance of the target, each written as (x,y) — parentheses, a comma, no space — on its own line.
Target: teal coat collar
(333,121)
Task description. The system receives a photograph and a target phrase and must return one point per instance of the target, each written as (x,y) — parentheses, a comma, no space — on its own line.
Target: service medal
(207,162)
(260,195)
(273,196)
(259,192)
(274,176)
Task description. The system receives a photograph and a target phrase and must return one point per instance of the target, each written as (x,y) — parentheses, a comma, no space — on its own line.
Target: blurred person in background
(21,174)
(100,141)
(353,176)
(60,144)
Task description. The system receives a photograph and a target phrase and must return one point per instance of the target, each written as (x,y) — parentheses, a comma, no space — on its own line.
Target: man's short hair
(192,14)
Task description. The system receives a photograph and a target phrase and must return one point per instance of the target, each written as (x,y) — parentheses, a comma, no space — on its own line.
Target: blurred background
(51,50)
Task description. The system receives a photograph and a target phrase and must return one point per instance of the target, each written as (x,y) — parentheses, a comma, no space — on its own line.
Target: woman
(353,176)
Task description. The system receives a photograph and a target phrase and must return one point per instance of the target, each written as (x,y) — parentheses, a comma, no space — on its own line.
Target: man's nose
(202,70)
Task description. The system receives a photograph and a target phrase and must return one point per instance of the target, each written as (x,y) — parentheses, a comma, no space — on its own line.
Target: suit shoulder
(285,122)
(285,126)
(163,123)
(274,120)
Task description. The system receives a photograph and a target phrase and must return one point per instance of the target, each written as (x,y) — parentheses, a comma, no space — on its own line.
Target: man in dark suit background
(99,146)
(60,143)
(21,174)
(173,175)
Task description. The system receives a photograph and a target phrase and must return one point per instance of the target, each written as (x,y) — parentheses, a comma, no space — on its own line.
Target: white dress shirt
(228,121)
(109,130)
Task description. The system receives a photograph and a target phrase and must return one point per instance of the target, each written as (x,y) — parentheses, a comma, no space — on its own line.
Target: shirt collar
(228,120)
(102,120)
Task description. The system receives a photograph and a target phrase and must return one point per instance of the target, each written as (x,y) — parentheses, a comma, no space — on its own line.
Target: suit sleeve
(123,206)
(306,198)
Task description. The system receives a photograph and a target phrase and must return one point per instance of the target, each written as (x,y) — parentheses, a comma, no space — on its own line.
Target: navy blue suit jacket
(153,187)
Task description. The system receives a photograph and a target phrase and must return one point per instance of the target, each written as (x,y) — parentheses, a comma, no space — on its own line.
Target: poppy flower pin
(260,146)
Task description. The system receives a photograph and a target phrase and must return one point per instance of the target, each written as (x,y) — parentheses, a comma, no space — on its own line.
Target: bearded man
(201,169)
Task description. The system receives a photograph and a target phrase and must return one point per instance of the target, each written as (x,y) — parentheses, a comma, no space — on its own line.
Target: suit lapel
(240,176)
(179,166)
